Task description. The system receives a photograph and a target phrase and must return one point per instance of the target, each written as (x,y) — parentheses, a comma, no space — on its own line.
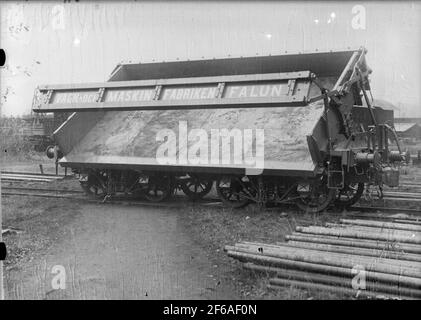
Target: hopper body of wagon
(155,126)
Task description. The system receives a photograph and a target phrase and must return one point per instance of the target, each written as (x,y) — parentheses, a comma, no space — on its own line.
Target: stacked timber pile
(29,176)
(360,258)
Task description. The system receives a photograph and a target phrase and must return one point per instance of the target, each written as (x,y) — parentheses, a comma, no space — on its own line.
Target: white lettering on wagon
(174,93)
(74,97)
(189,93)
(255,91)
(129,95)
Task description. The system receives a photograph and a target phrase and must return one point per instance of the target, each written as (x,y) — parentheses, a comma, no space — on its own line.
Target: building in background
(409,132)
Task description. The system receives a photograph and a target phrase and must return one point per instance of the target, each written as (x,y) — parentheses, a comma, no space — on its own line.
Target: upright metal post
(1,239)
(367,101)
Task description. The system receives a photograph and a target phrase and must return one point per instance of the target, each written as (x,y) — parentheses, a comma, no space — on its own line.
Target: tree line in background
(18,137)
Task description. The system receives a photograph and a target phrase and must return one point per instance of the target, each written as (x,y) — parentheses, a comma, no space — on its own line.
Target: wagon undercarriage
(235,191)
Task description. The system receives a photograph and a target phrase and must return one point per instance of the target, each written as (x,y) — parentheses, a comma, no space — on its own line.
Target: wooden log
(402,199)
(383,216)
(409,195)
(374,229)
(335,259)
(25,179)
(346,282)
(340,280)
(284,248)
(340,260)
(409,282)
(358,235)
(31,176)
(306,243)
(379,229)
(277,284)
(371,244)
(359,251)
(410,222)
(347,249)
(381,224)
(30,173)
(359,240)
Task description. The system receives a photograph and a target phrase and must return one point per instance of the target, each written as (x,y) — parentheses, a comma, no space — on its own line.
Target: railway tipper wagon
(292,128)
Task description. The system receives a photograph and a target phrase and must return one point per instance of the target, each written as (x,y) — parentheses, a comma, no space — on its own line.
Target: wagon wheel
(93,187)
(314,197)
(196,187)
(233,192)
(349,195)
(159,188)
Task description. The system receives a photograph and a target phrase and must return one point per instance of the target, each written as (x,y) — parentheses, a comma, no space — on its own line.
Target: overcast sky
(94,36)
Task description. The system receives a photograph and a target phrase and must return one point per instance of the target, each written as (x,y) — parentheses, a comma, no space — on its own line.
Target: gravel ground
(114,252)
(133,252)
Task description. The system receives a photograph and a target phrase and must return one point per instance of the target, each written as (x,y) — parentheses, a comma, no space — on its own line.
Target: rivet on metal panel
(157,92)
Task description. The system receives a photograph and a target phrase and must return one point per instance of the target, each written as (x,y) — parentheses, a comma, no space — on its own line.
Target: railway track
(43,190)
(44,193)
(12,177)
(407,192)
(176,202)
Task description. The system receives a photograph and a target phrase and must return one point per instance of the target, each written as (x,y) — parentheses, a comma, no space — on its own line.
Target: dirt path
(123,252)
